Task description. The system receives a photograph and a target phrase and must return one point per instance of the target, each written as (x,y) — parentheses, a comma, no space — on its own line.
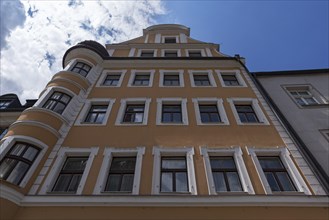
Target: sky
(271,35)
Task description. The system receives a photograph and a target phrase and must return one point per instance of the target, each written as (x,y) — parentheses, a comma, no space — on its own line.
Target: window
(210,111)
(133,111)
(202,78)
(174,174)
(120,171)
(57,102)
(170,53)
(194,54)
(70,175)
(121,175)
(134,114)
(96,113)
(173,170)
(226,171)
(69,171)
(111,78)
(277,171)
(4,104)
(81,68)
(276,174)
(170,40)
(246,114)
(209,114)
(141,78)
(147,53)
(17,162)
(303,96)
(171,114)
(225,174)
(247,111)
(171,78)
(172,111)
(231,78)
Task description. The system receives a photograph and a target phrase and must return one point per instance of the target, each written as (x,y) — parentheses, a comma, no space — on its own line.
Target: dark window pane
(234,181)
(113,183)
(6,166)
(57,102)
(62,183)
(285,181)
(18,173)
(272,182)
(246,114)
(181,182)
(166,182)
(75,164)
(170,40)
(270,162)
(174,163)
(111,80)
(205,117)
(18,149)
(127,182)
(30,153)
(123,163)
(230,80)
(219,181)
(74,184)
(222,163)
(81,68)
(194,53)
(134,114)
(147,54)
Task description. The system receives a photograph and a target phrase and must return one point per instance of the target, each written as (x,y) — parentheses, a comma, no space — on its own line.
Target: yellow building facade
(159,127)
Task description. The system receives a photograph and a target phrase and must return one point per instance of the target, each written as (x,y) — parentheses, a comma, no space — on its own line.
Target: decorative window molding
(81,119)
(111,152)
(62,155)
(170,101)
(147,52)
(192,73)
(292,170)
(105,73)
(248,101)
(9,142)
(220,107)
(235,73)
(180,73)
(305,95)
(124,102)
(46,95)
(166,51)
(135,73)
(195,52)
(236,153)
(171,38)
(187,152)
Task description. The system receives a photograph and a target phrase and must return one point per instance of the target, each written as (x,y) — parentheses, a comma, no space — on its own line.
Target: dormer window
(4,104)
(170,40)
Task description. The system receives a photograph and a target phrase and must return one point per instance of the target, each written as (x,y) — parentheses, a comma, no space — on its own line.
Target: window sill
(131,124)
(253,123)
(170,124)
(313,106)
(213,124)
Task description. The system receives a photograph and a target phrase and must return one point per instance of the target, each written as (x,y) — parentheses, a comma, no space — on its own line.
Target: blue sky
(271,35)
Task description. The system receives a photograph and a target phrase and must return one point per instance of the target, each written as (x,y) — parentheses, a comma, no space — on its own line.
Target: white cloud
(52,27)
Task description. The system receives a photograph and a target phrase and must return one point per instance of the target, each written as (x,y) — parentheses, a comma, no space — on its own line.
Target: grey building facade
(301,99)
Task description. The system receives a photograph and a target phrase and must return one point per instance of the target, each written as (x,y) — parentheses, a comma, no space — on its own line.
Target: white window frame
(220,107)
(62,155)
(236,153)
(122,110)
(163,37)
(236,73)
(86,108)
(317,97)
(140,51)
(8,142)
(208,73)
(67,113)
(108,155)
(202,51)
(90,74)
(181,101)
(135,72)
(158,152)
(171,72)
(255,105)
(105,73)
(179,54)
(288,163)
